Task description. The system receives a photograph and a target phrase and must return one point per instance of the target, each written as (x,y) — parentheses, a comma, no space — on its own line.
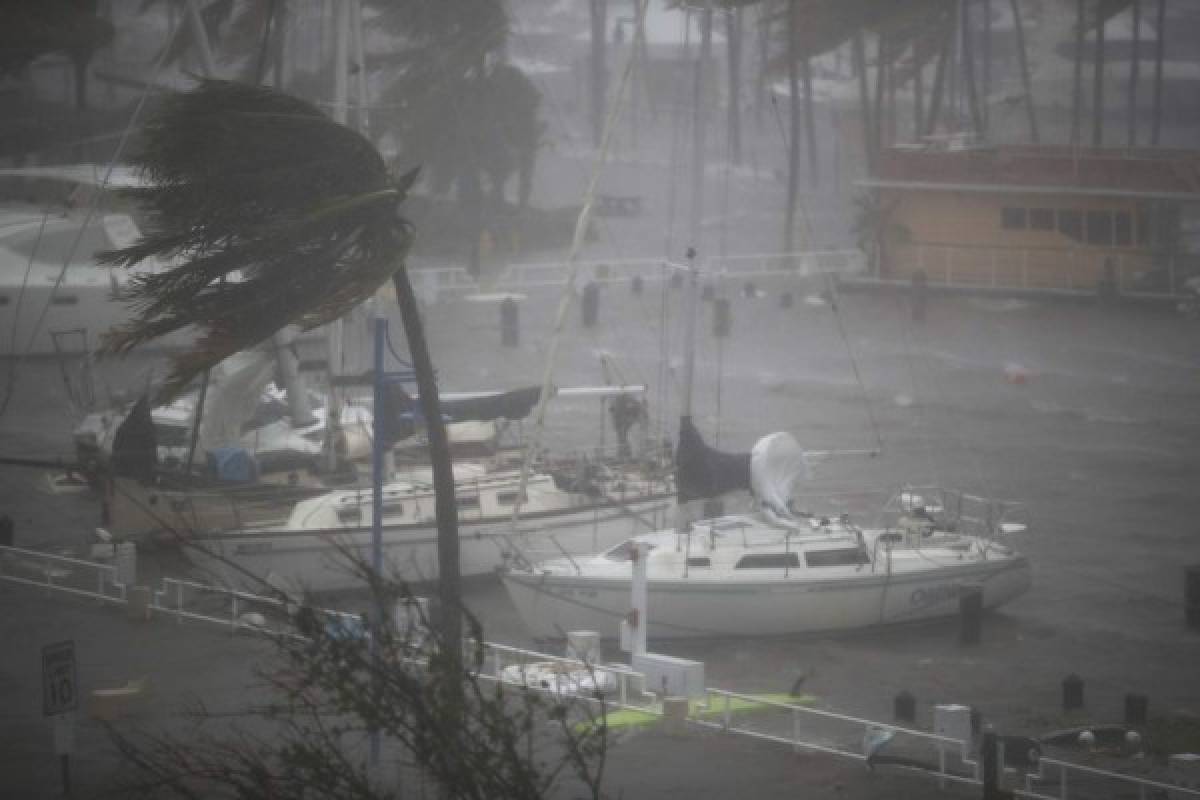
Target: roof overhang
(1004,188)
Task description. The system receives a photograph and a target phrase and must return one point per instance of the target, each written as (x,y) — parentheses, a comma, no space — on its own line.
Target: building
(1029,217)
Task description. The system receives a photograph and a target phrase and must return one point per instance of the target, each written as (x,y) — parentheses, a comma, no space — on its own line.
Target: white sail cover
(235,387)
(777,463)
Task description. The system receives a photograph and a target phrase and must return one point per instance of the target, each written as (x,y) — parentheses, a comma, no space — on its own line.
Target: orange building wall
(958,237)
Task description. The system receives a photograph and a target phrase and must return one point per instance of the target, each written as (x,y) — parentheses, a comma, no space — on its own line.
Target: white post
(641,621)
(360,60)
(341,51)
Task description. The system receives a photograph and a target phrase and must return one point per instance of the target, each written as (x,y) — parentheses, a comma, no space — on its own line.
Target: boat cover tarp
(400,408)
(702,471)
(135,444)
(233,465)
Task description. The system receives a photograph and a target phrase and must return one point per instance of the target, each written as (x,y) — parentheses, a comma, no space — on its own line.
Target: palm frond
(272,215)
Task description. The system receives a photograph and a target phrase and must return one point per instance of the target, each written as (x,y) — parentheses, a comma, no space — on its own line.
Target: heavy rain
(599,398)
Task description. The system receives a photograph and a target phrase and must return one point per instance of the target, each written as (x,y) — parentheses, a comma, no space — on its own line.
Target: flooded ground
(1088,415)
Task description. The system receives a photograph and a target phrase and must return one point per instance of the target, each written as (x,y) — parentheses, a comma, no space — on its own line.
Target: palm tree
(1023,58)
(1159,52)
(32,28)
(275,216)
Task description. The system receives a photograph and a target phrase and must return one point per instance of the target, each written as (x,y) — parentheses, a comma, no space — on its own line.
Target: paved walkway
(190,663)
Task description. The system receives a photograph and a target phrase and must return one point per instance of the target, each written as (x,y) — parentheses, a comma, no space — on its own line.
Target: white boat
(54,298)
(313,549)
(773,574)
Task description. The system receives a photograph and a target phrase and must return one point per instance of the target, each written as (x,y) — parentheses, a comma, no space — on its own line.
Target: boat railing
(955,510)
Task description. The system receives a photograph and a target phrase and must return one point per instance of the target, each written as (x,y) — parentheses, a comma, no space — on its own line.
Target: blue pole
(377,506)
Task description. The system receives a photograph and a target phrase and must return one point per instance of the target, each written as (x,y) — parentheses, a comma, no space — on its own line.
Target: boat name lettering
(566,592)
(920,598)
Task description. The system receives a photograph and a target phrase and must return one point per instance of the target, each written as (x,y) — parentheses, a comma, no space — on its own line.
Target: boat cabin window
(506,498)
(349,515)
(844,557)
(699,561)
(768,561)
(171,435)
(468,501)
(623,551)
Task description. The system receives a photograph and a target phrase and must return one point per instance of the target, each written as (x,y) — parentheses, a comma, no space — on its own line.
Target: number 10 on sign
(59,687)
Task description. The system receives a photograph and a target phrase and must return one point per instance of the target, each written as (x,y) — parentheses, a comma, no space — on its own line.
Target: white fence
(800,727)
(432,282)
(61,573)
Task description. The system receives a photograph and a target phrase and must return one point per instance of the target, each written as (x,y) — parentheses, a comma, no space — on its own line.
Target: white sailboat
(773,574)
(778,571)
(313,549)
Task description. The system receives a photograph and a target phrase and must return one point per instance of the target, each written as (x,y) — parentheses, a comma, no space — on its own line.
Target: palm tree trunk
(810,122)
(793,184)
(598,73)
(1025,78)
(864,97)
(1077,84)
(987,60)
(733,44)
(968,56)
(1135,64)
(918,93)
(938,91)
(1098,82)
(760,80)
(445,505)
(882,52)
(1159,53)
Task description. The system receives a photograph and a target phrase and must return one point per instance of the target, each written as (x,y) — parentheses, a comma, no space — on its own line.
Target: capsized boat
(313,549)
(780,571)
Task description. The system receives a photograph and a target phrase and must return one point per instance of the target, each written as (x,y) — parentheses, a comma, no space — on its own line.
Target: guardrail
(432,281)
(1070,269)
(906,747)
(1064,769)
(61,573)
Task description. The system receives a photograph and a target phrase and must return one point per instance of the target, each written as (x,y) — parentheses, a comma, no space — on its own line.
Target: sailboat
(779,570)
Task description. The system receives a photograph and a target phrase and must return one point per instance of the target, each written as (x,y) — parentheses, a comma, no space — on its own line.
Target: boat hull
(552,604)
(321,560)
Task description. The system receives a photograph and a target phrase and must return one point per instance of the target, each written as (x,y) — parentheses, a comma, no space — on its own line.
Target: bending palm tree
(276,216)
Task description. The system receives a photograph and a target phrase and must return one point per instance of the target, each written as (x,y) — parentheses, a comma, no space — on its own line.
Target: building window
(1012,219)
(1143,227)
(1070,223)
(1100,228)
(1041,219)
(1123,229)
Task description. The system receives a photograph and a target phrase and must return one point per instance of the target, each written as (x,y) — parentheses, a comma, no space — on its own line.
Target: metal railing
(435,280)
(1070,269)
(800,727)
(61,573)
(1118,784)
(841,735)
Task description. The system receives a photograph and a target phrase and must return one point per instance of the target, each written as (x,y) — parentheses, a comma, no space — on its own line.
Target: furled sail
(135,445)
(702,471)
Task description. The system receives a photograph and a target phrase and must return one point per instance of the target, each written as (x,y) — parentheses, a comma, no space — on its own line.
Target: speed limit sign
(59,687)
